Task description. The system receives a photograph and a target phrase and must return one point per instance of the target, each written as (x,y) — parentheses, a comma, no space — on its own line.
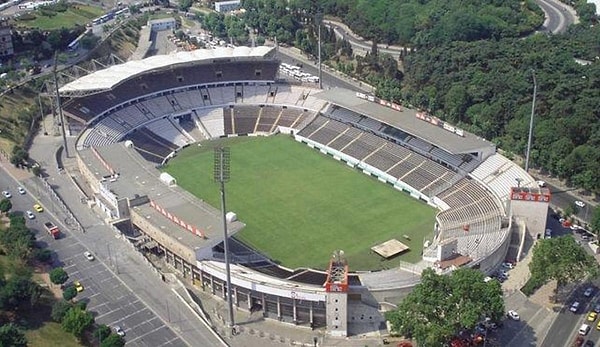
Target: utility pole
(221,174)
(58,104)
(531,122)
(319,19)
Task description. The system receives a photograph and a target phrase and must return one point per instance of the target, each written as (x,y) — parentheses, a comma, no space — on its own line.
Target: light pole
(221,174)
(319,18)
(531,121)
(59,106)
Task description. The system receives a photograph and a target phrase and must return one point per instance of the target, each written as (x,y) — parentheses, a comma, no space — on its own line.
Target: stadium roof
(137,177)
(110,77)
(407,121)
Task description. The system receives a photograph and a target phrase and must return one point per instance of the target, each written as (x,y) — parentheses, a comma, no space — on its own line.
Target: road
(120,287)
(558,16)
(359,45)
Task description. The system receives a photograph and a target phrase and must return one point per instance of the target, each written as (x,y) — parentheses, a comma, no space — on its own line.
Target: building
(162,24)
(6,45)
(226,6)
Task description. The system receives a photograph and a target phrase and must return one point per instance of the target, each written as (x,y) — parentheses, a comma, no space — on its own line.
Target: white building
(162,24)
(226,6)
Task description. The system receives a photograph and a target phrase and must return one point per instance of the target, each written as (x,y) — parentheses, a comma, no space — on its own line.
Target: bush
(59,310)
(43,255)
(532,285)
(69,293)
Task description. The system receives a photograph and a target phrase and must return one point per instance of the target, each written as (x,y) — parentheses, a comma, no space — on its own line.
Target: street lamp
(531,121)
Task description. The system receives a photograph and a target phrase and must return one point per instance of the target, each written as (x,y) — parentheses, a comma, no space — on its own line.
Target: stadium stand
(212,120)
(499,174)
(167,130)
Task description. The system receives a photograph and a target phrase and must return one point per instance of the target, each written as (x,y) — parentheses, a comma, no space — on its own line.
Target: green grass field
(76,15)
(300,205)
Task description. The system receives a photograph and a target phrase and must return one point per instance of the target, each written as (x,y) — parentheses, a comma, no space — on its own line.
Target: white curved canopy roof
(112,76)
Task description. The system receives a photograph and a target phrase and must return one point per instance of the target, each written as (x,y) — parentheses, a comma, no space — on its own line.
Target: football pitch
(300,205)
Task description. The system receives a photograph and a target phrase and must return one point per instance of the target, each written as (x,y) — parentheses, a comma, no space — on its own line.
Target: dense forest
(408,22)
(487,87)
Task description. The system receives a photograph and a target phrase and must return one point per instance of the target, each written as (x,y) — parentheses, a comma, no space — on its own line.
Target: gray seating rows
(180,77)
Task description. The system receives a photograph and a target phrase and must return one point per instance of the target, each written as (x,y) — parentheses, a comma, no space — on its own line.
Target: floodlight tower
(221,174)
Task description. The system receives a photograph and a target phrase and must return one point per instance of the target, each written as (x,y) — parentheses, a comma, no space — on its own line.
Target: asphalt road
(558,16)
(120,287)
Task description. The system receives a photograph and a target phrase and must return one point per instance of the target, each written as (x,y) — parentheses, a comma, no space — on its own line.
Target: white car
(588,292)
(89,256)
(574,307)
(579,203)
(21,190)
(548,233)
(30,214)
(513,315)
(541,184)
(508,265)
(6,194)
(119,331)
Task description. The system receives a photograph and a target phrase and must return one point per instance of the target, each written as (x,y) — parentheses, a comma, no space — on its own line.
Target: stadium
(132,119)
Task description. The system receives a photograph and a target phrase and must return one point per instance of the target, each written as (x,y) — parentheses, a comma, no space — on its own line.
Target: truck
(52,230)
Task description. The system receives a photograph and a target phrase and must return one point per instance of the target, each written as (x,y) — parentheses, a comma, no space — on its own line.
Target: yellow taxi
(592,316)
(38,208)
(78,286)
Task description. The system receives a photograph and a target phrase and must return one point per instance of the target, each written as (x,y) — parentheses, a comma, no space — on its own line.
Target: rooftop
(407,121)
(137,177)
(108,78)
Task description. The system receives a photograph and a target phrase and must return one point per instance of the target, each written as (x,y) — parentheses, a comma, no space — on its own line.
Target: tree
(18,291)
(595,222)
(184,5)
(60,309)
(113,340)
(441,305)
(10,335)
(563,260)
(58,276)
(102,332)
(43,255)
(69,293)
(76,321)
(5,205)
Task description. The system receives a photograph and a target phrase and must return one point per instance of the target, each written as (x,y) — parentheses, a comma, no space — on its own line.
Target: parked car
(589,343)
(513,315)
(588,292)
(89,256)
(30,214)
(21,190)
(579,203)
(596,308)
(592,316)
(6,194)
(508,265)
(38,208)
(78,286)
(574,307)
(548,233)
(119,331)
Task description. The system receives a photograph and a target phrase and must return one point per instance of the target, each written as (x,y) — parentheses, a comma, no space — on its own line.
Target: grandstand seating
(91,106)
(501,174)
(212,120)
(245,118)
(168,131)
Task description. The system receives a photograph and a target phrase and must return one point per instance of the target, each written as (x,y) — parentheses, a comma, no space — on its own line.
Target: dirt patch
(549,297)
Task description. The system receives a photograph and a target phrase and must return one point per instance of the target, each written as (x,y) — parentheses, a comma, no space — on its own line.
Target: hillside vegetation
(407,22)
(487,87)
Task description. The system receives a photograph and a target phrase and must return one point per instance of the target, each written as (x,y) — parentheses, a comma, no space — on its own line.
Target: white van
(584,329)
